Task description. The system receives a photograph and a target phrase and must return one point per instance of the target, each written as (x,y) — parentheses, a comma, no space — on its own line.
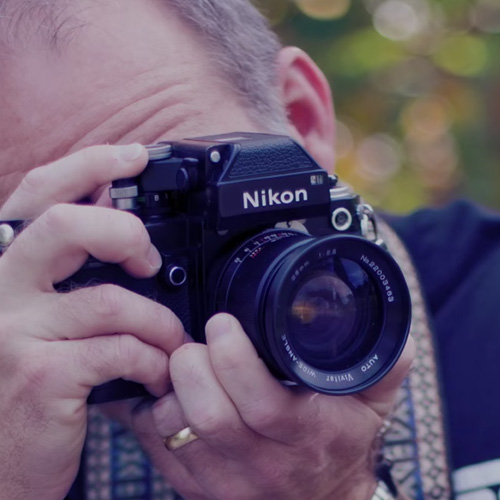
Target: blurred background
(417,92)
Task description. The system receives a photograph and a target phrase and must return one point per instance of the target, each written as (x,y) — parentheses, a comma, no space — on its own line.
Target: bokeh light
(276,11)
(462,54)
(344,140)
(324,9)
(379,158)
(485,16)
(416,85)
(401,19)
(426,118)
(362,52)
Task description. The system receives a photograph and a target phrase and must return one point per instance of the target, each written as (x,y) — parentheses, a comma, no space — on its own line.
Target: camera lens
(331,313)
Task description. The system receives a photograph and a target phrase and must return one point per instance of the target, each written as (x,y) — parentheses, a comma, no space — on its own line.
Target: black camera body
(249,224)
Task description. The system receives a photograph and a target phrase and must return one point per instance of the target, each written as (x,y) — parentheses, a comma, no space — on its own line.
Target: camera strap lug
(368,221)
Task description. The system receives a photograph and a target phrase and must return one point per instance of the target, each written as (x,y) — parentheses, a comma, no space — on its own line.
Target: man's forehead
(53,20)
(134,72)
(120,55)
(102,29)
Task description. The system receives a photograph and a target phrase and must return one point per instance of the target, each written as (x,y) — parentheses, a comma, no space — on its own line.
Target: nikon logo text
(268,198)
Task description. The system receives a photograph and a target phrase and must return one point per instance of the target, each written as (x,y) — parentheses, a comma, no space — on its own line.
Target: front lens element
(330,313)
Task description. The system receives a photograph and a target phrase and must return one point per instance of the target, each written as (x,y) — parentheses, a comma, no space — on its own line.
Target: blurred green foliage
(417,93)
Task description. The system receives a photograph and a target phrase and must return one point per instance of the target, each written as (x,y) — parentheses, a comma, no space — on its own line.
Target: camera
(251,225)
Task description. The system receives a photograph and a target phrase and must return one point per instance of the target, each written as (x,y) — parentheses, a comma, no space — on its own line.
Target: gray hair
(24,21)
(241,42)
(235,34)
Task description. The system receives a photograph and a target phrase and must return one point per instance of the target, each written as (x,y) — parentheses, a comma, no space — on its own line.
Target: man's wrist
(367,485)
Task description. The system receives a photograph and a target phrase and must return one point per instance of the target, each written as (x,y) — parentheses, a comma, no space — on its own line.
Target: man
(93,72)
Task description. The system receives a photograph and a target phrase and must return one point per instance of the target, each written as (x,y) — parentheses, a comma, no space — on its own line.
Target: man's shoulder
(448,244)
(460,222)
(456,250)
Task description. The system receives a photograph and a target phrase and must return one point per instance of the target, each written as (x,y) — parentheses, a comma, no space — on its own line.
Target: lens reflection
(330,313)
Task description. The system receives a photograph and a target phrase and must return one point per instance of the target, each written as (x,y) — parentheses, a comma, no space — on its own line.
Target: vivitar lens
(332,313)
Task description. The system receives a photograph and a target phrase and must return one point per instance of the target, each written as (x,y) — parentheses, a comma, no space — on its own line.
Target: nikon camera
(251,225)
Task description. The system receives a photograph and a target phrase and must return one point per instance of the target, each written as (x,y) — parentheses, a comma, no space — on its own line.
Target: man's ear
(307,97)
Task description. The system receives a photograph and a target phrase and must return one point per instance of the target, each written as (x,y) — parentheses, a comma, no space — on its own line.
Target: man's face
(132,72)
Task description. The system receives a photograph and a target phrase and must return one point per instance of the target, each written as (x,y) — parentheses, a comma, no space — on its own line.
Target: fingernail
(130,152)
(154,258)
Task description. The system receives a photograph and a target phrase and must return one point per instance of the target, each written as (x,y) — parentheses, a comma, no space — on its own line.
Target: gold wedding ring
(180,439)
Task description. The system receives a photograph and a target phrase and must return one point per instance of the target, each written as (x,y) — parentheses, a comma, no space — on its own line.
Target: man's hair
(235,34)
(21,21)
(241,42)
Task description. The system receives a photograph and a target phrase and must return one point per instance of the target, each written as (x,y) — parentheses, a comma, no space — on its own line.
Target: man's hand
(257,438)
(56,346)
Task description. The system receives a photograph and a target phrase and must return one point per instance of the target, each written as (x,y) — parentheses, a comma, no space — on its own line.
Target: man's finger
(105,310)
(381,396)
(166,415)
(151,439)
(58,243)
(262,401)
(205,404)
(73,178)
(102,359)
